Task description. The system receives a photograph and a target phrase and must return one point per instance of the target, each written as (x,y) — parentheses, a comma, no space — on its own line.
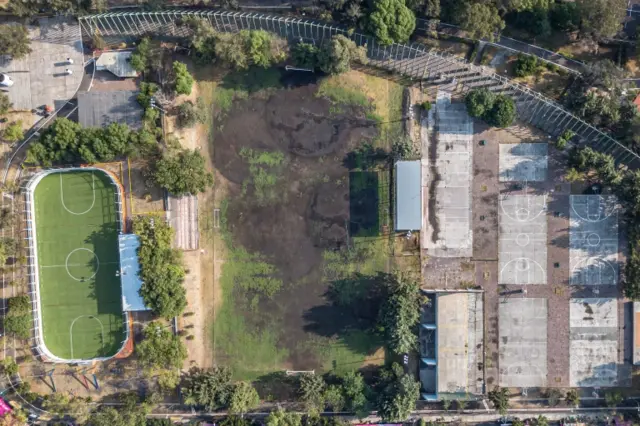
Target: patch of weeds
(341,94)
(247,343)
(365,255)
(265,169)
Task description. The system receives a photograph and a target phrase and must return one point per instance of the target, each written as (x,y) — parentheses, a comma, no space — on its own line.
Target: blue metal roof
(129,270)
(408,196)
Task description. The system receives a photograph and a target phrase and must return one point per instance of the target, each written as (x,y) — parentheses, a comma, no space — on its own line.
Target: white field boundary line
(34,279)
(71,330)
(93,190)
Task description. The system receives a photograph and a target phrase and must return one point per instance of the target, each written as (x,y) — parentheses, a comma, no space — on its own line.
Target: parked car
(5,80)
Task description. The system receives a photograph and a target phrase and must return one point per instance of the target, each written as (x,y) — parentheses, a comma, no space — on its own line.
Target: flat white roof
(117,62)
(408,196)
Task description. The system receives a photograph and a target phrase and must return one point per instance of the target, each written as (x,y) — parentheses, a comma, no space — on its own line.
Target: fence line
(415,61)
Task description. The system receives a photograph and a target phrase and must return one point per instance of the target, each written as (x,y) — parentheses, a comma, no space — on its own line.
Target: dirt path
(199,281)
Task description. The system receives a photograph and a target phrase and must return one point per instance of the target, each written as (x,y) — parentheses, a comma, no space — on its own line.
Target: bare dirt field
(299,214)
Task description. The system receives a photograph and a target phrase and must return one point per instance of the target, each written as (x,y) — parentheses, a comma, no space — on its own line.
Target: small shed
(116,62)
(408,197)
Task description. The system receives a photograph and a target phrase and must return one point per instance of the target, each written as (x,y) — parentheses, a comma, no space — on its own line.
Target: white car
(5,80)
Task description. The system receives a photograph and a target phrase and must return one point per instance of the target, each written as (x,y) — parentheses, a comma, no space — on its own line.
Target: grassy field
(77,245)
(279,264)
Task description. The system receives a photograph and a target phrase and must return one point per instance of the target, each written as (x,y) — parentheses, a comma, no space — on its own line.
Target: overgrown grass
(382,99)
(250,351)
(265,168)
(349,351)
(239,85)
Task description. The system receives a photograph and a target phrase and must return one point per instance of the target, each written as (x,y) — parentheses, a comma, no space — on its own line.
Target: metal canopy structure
(415,61)
(129,273)
(408,196)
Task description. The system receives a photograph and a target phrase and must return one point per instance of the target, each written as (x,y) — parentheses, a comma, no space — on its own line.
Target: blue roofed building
(129,270)
(408,195)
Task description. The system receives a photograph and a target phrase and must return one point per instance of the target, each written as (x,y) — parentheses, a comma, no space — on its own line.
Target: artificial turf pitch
(77,244)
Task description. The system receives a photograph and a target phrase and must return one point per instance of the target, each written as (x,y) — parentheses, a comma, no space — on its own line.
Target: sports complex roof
(408,196)
(129,269)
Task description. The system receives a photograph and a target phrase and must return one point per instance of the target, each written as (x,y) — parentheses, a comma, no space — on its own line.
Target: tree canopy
(14,41)
(280,417)
(336,55)
(160,348)
(131,412)
(67,142)
(210,389)
(182,173)
(400,314)
(5,104)
(19,317)
(391,21)
(481,20)
(601,18)
(498,111)
(398,395)
(184,80)
(161,267)
(244,397)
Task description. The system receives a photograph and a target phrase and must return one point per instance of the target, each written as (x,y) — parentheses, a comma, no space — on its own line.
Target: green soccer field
(77,242)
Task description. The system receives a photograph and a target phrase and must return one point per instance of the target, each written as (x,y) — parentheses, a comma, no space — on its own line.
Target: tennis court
(76,228)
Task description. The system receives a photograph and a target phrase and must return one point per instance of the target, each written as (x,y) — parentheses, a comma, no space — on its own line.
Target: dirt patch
(144,197)
(288,204)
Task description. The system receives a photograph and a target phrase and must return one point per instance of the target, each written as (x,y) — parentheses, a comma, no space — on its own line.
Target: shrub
(503,112)
(426,106)
(184,80)
(13,132)
(525,65)
(189,114)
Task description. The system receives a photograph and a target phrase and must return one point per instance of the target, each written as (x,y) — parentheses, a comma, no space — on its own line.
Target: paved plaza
(523,162)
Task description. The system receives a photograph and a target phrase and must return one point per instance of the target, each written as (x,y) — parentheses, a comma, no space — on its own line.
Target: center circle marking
(523,265)
(593,239)
(522,240)
(66,264)
(523,214)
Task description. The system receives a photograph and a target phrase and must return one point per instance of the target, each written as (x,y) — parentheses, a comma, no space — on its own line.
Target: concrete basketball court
(593,342)
(522,242)
(523,342)
(593,240)
(523,162)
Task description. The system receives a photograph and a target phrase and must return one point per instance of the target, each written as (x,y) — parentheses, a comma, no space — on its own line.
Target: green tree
(262,48)
(503,112)
(601,18)
(398,396)
(18,320)
(500,399)
(526,65)
(541,421)
(9,366)
(479,102)
(400,314)
(5,104)
(14,41)
(140,56)
(160,348)
(565,16)
(161,267)
(280,417)
(613,398)
(243,398)
(391,21)
(189,115)
(13,132)
(355,391)
(182,173)
(572,397)
(184,80)
(210,389)
(333,398)
(336,55)
(202,39)
(131,412)
(305,55)
(230,50)
(535,22)
(312,387)
(481,20)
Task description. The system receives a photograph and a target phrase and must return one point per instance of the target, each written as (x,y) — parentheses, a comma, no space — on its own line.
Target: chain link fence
(414,61)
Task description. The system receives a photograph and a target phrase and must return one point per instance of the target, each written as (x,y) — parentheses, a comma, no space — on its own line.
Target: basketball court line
(522,245)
